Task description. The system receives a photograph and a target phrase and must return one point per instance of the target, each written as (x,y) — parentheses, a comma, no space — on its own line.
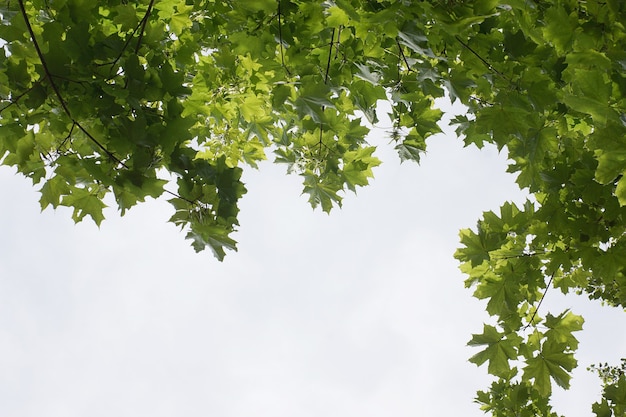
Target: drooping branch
(56,90)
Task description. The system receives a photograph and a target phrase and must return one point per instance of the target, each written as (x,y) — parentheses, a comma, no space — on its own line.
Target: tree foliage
(138,99)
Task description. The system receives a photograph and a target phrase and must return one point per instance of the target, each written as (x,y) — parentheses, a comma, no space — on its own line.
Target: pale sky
(358,313)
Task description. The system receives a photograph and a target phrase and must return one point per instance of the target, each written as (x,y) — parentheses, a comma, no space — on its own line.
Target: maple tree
(141,99)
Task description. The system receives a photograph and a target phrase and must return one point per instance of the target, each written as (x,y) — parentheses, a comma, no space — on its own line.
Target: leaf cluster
(177,97)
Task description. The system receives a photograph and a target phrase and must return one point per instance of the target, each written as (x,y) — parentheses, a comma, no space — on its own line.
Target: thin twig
(181,197)
(481,101)
(142,25)
(338,42)
(406,62)
(67,138)
(330,55)
(117,58)
(261,23)
(280,38)
(144,22)
(483,60)
(540,301)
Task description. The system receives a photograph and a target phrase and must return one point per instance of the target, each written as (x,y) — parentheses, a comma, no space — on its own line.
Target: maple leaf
(500,350)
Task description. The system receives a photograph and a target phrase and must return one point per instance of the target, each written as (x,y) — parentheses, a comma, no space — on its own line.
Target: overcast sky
(360,313)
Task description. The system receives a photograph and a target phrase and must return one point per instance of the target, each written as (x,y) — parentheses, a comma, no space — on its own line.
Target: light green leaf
(84,202)
(561,328)
(499,351)
(337,17)
(551,363)
(559,29)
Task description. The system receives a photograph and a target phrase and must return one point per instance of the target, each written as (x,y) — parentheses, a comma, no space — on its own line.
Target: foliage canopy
(143,98)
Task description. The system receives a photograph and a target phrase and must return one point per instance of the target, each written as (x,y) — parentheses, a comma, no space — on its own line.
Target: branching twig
(117,58)
(67,138)
(13,101)
(142,24)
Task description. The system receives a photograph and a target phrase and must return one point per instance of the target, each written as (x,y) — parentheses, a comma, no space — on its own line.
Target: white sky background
(360,313)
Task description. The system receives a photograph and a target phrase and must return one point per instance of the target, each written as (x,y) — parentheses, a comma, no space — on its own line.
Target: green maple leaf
(367,74)
(52,190)
(411,148)
(84,202)
(337,17)
(590,93)
(561,328)
(126,16)
(502,292)
(129,194)
(321,193)
(500,350)
(358,166)
(252,107)
(558,30)
(212,236)
(477,246)
(553,362)
(615,393)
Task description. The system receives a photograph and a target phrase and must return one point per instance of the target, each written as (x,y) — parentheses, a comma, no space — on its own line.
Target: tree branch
(56,89)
